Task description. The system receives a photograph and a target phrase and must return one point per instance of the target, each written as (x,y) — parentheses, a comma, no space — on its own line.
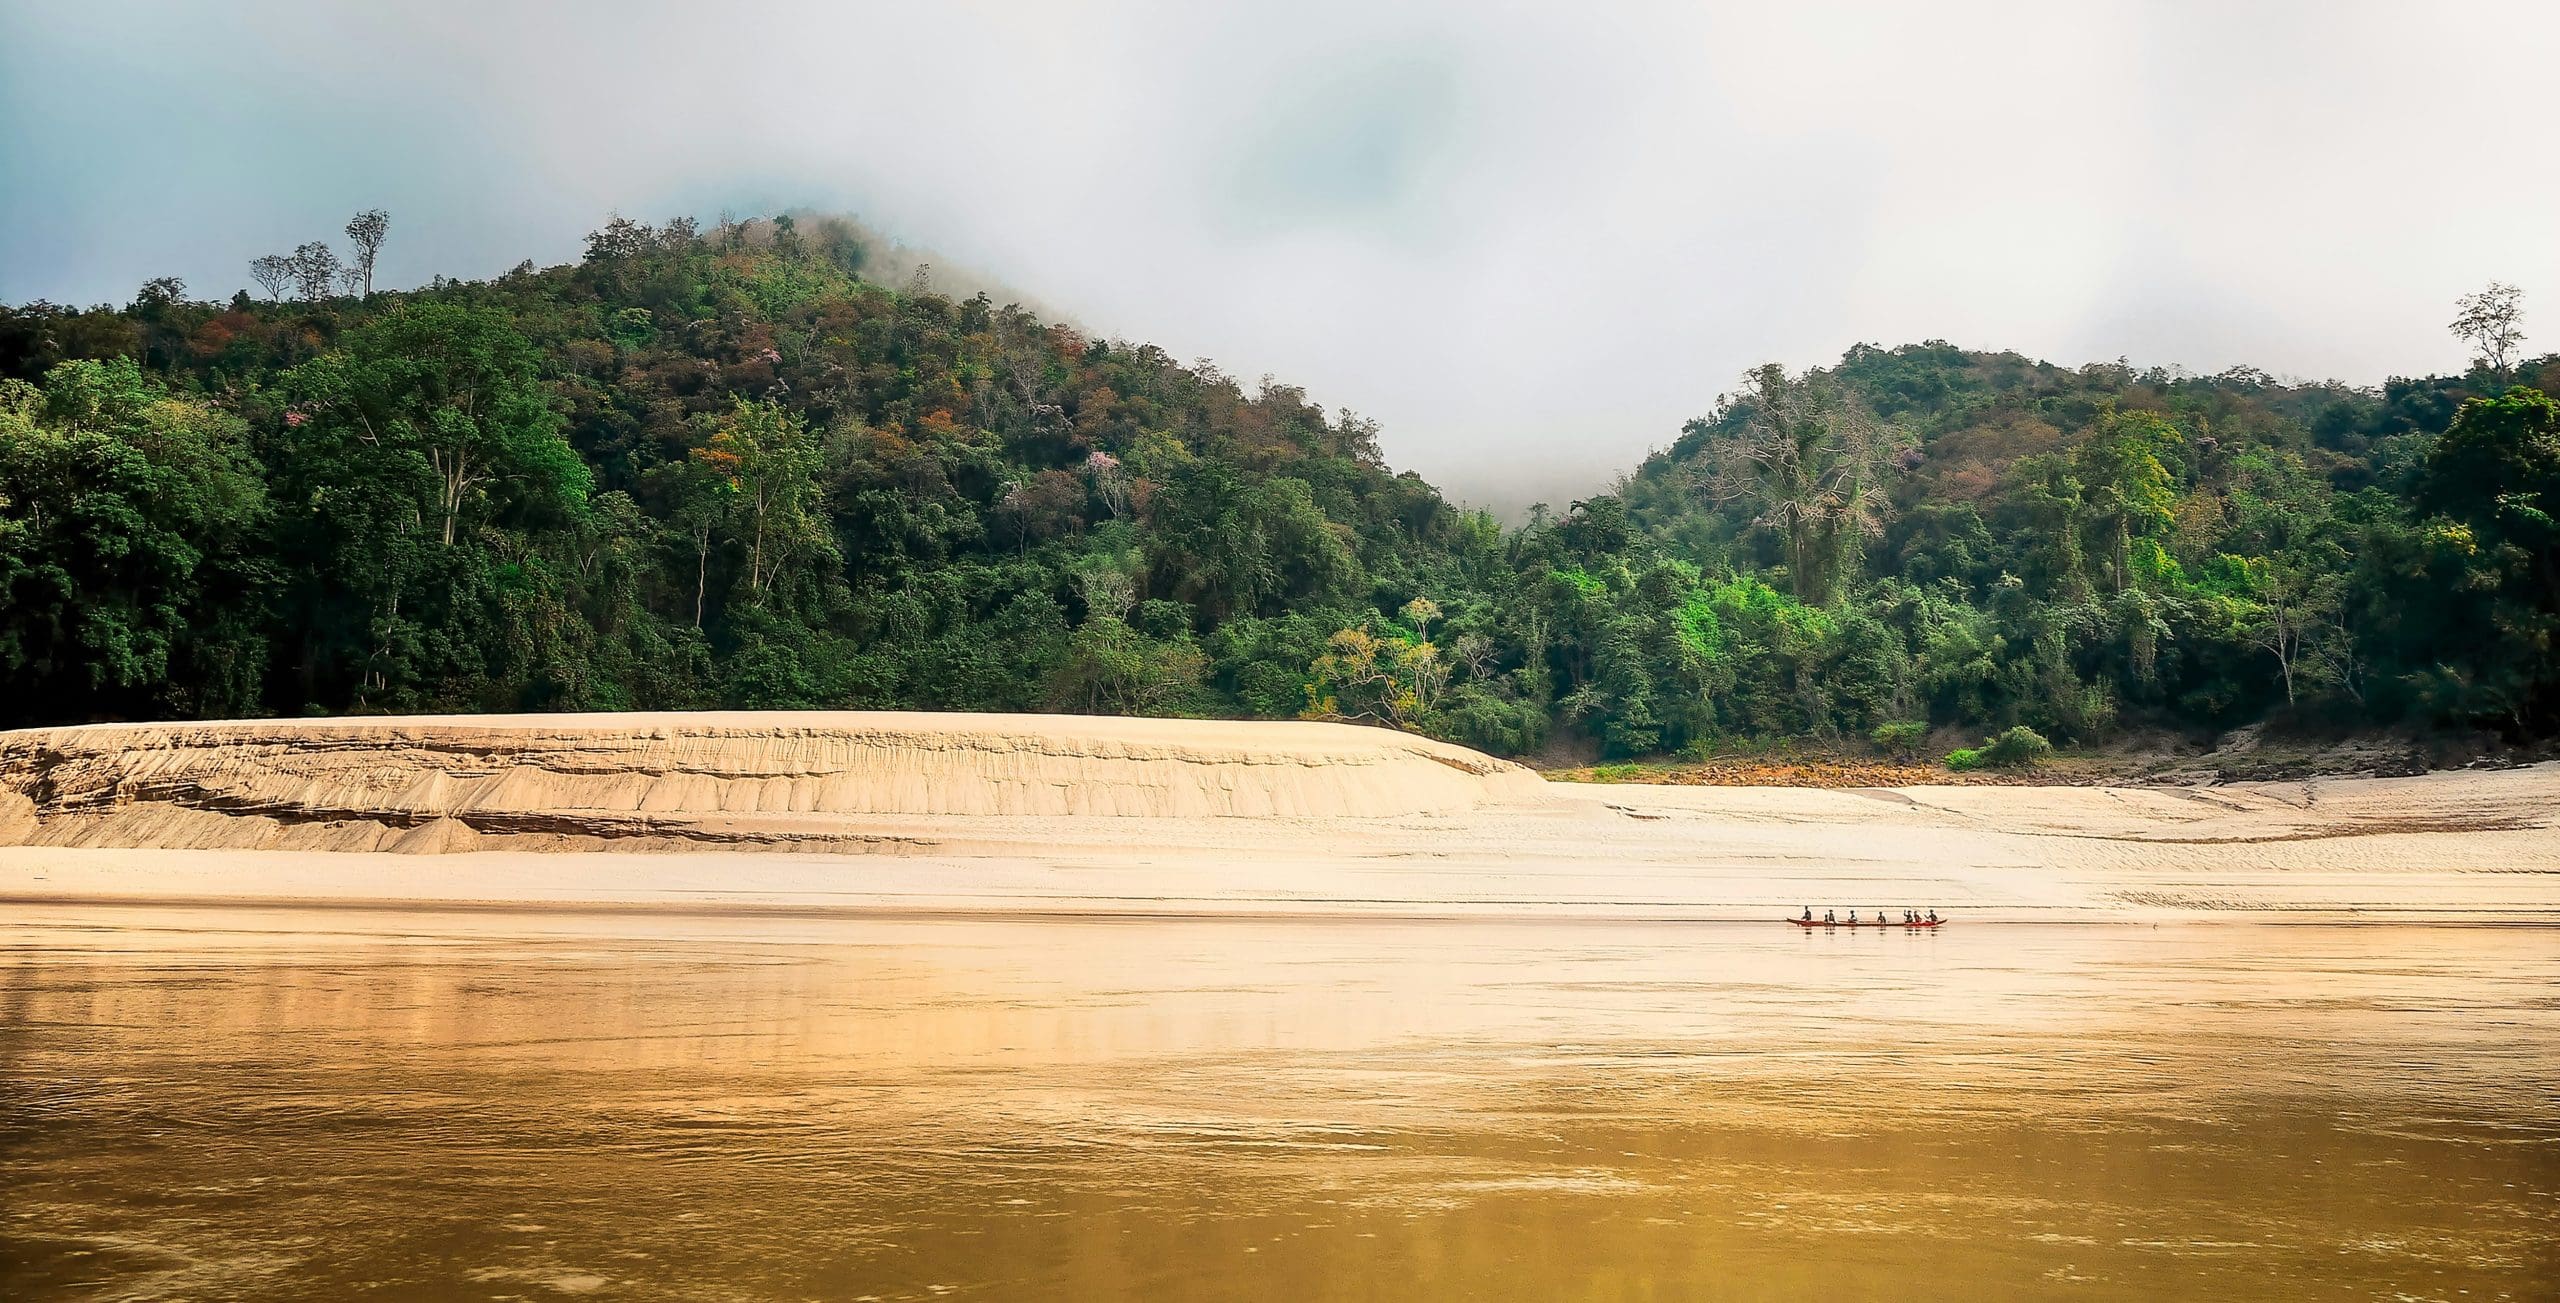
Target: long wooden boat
(1869,922)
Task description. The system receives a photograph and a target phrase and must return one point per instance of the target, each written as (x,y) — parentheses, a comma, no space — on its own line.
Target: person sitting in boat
(1910,916)
(1830,916)
(1853,918)
(1933,913)
(1808,913)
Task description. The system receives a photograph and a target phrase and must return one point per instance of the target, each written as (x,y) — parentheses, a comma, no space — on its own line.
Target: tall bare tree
(274,274)
(1810,461)
(364,233)
(2491,321)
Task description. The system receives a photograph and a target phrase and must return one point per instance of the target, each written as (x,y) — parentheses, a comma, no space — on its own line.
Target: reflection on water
(323,1104)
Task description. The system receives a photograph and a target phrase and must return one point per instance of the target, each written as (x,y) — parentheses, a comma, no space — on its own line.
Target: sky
(1529,239)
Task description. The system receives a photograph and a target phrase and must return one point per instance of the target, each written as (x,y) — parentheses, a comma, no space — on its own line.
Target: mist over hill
(767,464)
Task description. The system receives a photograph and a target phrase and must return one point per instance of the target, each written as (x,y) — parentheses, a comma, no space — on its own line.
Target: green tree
(1113,669)
(455,391)
(1809,460)
(129,526)
(2128,484)
(2494,478)
(428,488)
(769,461)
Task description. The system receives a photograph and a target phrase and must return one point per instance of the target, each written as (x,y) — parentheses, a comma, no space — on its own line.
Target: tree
(1043,506)
(1421,612)
(1109,583)
(1110,482)
(129,521)
(1809,460)
(1383,680)
(315,271)
(2127,483)
(2292,607)
(2491,322)
(158,295)
(1113,669)
(695,494)
(274,274)
(778,511)
(2494,482)
(2498,471)
(456,389)
(1234,547)
(365,232)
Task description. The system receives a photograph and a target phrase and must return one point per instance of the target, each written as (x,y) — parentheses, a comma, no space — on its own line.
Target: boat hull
(1863,923)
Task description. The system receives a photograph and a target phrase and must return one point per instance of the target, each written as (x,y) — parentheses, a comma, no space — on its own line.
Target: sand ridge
(811,780)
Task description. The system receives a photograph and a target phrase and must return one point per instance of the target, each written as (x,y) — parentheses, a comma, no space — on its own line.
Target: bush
(1900,738)
(1964,759)
(2019,748)
(1474,717)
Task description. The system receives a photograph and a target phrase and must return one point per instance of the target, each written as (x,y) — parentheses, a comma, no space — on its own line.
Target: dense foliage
(721,468)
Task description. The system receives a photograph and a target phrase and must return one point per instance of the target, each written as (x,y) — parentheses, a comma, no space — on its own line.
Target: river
(328,1104)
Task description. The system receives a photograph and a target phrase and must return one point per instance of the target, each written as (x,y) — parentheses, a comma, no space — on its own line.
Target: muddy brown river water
(330,1104)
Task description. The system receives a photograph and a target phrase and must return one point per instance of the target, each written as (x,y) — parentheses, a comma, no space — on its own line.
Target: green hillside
(721,468)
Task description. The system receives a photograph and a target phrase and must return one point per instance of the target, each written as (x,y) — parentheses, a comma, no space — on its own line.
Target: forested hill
(721,468)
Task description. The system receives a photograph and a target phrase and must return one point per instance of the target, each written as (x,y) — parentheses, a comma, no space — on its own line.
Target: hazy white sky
(1530,239)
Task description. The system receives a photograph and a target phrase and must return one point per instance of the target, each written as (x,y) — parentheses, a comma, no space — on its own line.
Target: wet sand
(300,1104)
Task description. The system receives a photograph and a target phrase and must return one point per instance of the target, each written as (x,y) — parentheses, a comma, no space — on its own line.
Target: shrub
(1964,759)
(1474,717)
(2019,748)
(1900,738)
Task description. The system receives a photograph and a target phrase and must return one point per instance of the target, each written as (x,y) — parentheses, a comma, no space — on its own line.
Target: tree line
(720,467)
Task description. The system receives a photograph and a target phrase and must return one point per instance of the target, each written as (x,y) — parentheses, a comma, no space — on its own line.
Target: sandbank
(915,813)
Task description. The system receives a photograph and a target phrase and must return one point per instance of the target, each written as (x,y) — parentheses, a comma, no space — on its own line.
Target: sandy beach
(1070,815)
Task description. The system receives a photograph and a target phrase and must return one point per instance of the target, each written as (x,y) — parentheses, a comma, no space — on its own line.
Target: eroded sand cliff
(793,780)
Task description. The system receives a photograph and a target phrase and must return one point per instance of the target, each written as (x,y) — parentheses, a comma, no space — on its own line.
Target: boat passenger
(1808,913)
(1830,916)
(1933,914)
